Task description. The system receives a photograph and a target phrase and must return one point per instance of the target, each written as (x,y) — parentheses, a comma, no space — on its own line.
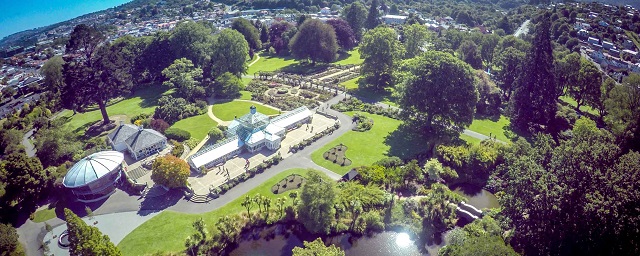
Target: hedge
(177,134)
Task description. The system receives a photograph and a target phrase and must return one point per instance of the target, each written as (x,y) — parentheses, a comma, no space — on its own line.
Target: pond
(479,198)
(276,241)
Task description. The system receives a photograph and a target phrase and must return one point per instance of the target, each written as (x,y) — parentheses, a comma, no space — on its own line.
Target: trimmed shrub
(178,149)
(159,125)
(215,134)
(177,134)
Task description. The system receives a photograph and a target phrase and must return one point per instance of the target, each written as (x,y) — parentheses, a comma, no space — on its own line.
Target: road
(523,29)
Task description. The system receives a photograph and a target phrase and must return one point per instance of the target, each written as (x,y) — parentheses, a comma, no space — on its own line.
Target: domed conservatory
(94,177)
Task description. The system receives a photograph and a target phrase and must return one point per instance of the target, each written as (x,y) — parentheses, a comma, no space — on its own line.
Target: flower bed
(337,155)
(363,123)
(353,104)
(290,182)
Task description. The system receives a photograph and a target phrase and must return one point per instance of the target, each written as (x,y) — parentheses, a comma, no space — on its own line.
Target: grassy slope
(142,101)
(351,84)
(351,57)
(364,148)
(44,215)
(198,126)
(489,127)
(270,63)
(227,111)
(573,103)
(168,231)
(469,139)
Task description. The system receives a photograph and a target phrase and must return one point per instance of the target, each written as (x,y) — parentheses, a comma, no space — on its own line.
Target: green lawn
(198,126)
(270,63)
(246,80)
(142,101)
(167,231)
(229,110)
(245,95)
(368,94)
(351,57)
(469,139)
(573,103)
(44,215)
(351,84)
(365,148)
(489,127)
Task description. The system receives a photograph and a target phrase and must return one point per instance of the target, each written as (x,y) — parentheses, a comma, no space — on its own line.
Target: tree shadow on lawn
(407,143)
(343,55)
(370,95)
(159,203)
(302,68)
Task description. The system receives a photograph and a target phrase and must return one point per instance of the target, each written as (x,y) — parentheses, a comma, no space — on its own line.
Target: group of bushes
(353,104)
(317,136)
(177,134)
(178,148)
(173,109)
(245,176)
(363,123)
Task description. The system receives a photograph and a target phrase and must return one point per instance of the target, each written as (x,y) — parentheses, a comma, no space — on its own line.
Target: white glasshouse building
(253,131)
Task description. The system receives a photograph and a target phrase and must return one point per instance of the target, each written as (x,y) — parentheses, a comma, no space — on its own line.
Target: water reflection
(383,244)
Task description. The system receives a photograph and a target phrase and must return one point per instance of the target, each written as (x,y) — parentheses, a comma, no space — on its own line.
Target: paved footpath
(132,211)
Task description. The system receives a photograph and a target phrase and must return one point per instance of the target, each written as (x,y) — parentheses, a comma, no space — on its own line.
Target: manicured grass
(489,127)
(365,148)
(573,103)
(469,139)
(44,215)
(198,126)
(245,95)
(246,80)
(370,95)
(167,231)
(270,63)
(351,57)
(351,84)
(229,110)
(143,101)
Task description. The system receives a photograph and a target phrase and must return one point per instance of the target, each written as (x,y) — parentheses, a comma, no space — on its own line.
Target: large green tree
(316,41)
(317,248)
(576,196)
(623,111)
(381,51)
(193,41)
(230,54)
(94,71)
(85,239)
(373,17)
(567,72)
(355,14)
(587,88)
(8,240)
(318,196)
(249,32)
(53,77)
(23,180)
(415,38)
(509,63)
(469,53)
(439,94)
(186,78)
(533,105)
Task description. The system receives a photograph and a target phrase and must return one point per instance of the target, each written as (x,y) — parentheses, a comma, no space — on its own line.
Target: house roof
(135,137)
(92,168)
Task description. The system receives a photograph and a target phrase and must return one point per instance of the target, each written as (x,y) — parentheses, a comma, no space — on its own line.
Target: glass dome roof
(92,168)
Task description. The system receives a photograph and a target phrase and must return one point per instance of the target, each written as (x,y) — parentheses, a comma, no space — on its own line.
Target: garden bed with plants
(216,191)
(337,155)
(293,181)
(307,142)
(353,104)
(363,123)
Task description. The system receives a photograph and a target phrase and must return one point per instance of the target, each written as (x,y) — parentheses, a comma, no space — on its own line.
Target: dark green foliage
(55,146)
(100,73)
(230,54)
(439,214)
(344,34)
(186,78)
(317,248)
(177,134)
(191,40)
(227,86)
(473,164)
(178,149)
(316,41)
(249,32)
(355,14)
(23,180)
(173,109)
(373,16)
(470,54)
(87,240)
(8,239)
(533,105)
(315,210)
(380,50)
(574,196)
(215,134)
(623,111)
(9,137)
(439,95)
(280,35)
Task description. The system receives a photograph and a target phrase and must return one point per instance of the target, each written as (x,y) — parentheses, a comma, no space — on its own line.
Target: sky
(19,15)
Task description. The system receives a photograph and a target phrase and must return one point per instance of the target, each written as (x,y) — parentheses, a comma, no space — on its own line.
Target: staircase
(137,173)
